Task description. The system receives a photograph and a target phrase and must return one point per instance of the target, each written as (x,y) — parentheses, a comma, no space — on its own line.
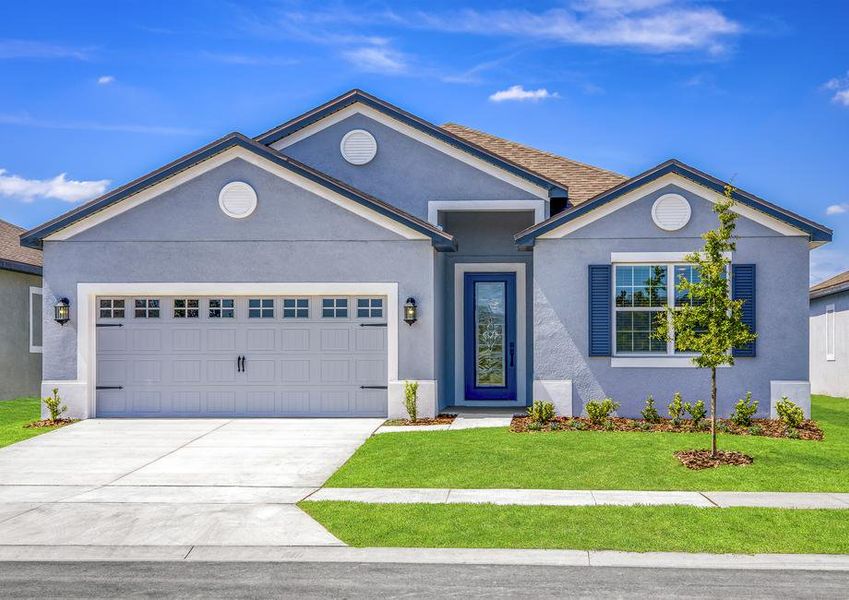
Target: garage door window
(369,308)
(147,308)
(334,308)
(261,308)
(221,308)
(112,308)
(186,308)
(296,308)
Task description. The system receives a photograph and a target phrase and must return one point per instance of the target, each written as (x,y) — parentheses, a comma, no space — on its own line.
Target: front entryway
(489,336)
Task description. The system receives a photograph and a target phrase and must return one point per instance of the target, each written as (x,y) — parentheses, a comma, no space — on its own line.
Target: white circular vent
(358,147)
(671,212)
(237,199)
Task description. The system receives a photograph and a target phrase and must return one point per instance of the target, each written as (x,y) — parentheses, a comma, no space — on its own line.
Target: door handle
(512,352)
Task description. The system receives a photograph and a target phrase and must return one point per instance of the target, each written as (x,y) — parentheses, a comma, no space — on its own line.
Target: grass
(14,414)
(627,528)
(496,458)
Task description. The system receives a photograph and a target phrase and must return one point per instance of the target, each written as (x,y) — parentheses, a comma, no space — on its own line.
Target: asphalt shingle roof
(836,283)
(583,181)
(11,249)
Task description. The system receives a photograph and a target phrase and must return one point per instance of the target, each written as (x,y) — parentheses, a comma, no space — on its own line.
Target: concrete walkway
(467,418)
(584,497)
(422,556)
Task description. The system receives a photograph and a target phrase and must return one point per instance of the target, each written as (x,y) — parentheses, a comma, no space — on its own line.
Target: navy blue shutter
(599,309)
(743,288)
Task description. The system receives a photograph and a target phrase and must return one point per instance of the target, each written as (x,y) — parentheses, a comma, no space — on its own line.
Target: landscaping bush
(744,410)
(676,408)
(789,413)
(793,433)
(756,430)
(577,425)
(554,426)
(697,412)
(541,412)
(411,396)
(54,405)
(599,410)
(650,413)
(534,426)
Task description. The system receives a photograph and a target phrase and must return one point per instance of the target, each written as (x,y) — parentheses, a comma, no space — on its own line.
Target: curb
(444,556)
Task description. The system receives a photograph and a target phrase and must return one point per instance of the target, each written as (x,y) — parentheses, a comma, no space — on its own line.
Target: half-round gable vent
(671,212)
(237,199)
(358,147)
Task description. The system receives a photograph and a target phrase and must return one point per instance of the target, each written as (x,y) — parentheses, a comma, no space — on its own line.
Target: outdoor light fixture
(62,311)
(410,311)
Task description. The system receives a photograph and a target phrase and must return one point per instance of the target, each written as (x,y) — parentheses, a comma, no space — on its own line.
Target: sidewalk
(584,497)
(447,556)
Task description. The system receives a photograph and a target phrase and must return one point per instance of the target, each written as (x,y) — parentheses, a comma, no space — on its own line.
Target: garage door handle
(372,324)
(239,366)
(374,387)
(243,364)
(109,387)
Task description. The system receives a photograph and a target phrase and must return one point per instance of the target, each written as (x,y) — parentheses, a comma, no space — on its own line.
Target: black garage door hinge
(372,324)
(374,387)
(109,387)
(109,325)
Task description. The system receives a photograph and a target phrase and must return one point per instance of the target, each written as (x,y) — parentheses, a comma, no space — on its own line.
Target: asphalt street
(93,580)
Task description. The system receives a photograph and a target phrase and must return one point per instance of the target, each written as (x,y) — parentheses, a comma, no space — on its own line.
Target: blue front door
(489,332)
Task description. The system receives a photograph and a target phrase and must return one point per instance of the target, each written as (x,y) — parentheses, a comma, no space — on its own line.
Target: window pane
(228,303)
(634,331)
(362,302)
(253,303)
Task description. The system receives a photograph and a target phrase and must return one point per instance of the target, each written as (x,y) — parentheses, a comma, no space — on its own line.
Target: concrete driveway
(173,482)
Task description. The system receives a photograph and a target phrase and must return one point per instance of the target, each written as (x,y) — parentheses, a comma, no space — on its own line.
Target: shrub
(554,426)
(650,413)
(792,433)
(577,425)
(608,425)
(676,408)
(722,426)
(541,412)
(789,413)
(756,430)
(744,410)
(534,426)
(645,426)
(599,410)
(411,396)
(697,412)
(54,405)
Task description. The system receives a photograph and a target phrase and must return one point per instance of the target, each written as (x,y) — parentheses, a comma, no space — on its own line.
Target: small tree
(711,322)
(411,397)
(54,405)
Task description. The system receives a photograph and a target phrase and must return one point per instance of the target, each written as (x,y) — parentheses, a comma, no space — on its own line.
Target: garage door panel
(295,364)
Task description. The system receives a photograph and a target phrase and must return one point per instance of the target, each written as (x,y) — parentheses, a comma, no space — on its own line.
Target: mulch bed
(50,423)
(438,420)
(808,430)
(701,459)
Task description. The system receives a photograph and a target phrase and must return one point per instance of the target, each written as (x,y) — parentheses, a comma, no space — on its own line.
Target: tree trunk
(713,412)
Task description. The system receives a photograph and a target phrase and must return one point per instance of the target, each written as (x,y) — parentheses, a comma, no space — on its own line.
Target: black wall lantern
(410,311)
(62,311)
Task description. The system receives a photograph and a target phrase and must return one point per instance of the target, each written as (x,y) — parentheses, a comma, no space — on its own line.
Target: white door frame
(460,269)
(87,313)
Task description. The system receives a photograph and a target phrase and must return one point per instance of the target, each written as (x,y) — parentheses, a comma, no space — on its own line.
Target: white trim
(434,207)
(415,134)
(87,312)
(671,362)
(829,311)
(460,269)
(657,184)
(655,257)
(35,290)
(215,162)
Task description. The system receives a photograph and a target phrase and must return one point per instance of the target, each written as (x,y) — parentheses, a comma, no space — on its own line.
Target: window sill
(666,362)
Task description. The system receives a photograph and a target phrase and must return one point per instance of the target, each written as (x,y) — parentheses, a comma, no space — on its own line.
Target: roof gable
(13,256)
(553,189)
(34,238)
(818,234)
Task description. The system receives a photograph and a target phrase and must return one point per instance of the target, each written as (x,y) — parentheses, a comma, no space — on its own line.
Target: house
(20,315)
(830,336)
(311,270)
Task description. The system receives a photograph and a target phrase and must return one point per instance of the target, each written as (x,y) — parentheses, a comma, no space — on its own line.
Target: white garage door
(233,356)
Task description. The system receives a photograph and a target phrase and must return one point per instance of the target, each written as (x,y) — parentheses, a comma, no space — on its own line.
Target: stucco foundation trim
(426,403)
(556,391)
(798,392)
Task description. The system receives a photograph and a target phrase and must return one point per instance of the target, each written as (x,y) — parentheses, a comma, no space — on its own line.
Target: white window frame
(830,333)
(296,308)
(32,292)
(147,308)
(370,308)
(670,358)
(186,308)
(336,307)
(261,308)
(222,308)
(112,307)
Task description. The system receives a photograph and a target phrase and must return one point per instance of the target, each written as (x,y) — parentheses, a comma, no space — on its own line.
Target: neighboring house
(20,315)
(270,276)
(830,336)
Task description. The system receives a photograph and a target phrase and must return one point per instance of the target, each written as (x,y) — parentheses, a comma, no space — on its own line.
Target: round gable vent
(671,212)
(358,147)
(237,199)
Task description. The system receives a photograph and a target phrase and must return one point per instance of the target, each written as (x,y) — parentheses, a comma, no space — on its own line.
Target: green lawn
(496,458)
(629,528)
(14,414)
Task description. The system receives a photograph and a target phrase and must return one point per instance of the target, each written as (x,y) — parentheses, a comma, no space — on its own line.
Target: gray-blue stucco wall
(293,236)
(561,309)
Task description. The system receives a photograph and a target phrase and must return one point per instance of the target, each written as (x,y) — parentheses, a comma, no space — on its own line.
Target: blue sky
(93,94)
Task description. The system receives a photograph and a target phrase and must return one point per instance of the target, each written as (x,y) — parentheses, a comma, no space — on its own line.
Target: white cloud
(377,58)
(12,49)
(840,87)
(837,209)
(518,93)
(250,60)
(58,188)
(25,120)
(105,79)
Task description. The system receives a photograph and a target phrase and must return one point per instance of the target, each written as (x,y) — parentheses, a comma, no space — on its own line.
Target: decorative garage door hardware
(109,387)
(109,325)
(374,387)
(240,364)
(372,324)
